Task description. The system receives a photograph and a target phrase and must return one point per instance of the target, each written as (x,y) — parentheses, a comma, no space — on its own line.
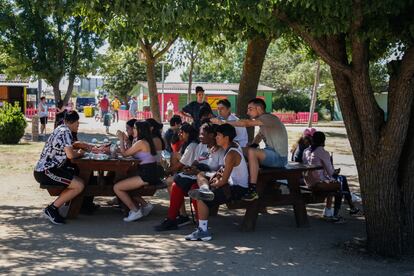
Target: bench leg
(75,206)
(250,217)
(299,207)
(301,216)
(76,203)
(214,211)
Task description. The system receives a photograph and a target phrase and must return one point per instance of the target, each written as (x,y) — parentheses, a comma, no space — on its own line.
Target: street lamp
(162,90)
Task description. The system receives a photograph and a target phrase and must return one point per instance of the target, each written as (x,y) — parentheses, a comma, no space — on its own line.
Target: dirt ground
(103,244)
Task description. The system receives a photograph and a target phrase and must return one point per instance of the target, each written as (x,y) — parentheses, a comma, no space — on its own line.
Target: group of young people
(211,161)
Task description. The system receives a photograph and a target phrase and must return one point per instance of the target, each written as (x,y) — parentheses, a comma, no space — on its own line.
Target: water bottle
(112,150)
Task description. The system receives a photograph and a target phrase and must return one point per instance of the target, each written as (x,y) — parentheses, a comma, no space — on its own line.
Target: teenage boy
(224,113)
(192,110)
(53,168)
(206,156)
(224,187)
(175,124)
(274,134)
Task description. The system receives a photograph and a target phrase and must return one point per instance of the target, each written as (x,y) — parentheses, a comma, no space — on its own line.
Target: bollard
(35,128)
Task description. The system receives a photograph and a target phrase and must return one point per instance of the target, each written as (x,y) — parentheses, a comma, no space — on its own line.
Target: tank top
(145,157)
(240,174)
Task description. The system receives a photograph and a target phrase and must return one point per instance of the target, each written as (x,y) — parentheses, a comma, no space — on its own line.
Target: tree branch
(314,43)
(160,53)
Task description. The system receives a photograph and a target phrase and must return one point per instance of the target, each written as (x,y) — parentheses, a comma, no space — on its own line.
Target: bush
(12,124)
(294,101)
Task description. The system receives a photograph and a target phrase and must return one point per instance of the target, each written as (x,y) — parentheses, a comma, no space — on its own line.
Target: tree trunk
(152,89)
(190,81)
(70,90)
(378,177)
(375,158)
(56,91)
(407,180)
(314,93)
(252,68)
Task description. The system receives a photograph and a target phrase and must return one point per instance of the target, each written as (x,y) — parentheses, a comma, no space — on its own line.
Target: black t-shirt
(193,109)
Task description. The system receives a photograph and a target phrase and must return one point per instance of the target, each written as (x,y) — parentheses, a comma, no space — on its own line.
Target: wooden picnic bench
(270,194)
(101,184)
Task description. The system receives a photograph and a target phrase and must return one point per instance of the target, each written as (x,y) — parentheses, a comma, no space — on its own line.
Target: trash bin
(88,111)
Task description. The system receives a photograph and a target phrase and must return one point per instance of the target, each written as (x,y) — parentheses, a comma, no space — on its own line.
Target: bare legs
(121,190)
(254,157)
(75,187)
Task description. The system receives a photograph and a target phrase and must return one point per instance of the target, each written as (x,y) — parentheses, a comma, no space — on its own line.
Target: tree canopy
(122,69)
(45,39)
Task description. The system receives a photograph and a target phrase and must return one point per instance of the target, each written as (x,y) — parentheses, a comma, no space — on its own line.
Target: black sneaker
(53,215)
(250,196)
(337,220)
(167,225)
(182,220)
(354,211)
(201,194)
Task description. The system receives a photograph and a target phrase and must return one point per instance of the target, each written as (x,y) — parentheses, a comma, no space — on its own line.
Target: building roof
(4,81)
(210,88)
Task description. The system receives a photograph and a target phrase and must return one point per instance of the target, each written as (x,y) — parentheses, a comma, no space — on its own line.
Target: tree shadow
(336,135)
(104,244)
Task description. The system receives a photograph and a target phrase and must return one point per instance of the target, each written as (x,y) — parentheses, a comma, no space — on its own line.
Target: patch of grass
(19,158)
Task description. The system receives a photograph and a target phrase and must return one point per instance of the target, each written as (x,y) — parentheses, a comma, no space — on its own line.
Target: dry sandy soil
(104,244)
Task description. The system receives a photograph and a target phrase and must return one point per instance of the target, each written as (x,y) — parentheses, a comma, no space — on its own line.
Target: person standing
(104,105)
(133,107)
(43,114)
(272,131)
(192,110)
(170,109)
(116,104)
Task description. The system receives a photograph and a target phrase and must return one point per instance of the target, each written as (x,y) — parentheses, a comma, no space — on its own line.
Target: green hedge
(12,124)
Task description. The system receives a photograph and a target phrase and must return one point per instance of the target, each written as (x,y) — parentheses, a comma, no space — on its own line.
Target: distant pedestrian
(133,107)
(115,104)
(170,109)
(43,114)
(104,105)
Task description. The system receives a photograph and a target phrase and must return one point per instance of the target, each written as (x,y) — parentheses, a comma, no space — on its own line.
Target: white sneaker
(132,216)
(147,209)
(328,212)
(356,198)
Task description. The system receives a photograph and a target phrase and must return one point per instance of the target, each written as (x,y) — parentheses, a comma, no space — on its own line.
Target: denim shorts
(273,159)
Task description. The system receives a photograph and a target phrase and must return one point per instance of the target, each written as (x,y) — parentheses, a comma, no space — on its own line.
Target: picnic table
(97,183)
(268,189)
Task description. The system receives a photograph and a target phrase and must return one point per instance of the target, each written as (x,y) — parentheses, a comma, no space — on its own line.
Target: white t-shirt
(44,113)
(241,132)
(170,106)
(189,155)
(202,154)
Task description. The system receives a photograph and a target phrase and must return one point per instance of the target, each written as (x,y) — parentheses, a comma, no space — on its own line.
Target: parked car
(81,102)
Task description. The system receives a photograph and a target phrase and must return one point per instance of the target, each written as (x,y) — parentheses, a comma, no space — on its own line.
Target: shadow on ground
(104,244)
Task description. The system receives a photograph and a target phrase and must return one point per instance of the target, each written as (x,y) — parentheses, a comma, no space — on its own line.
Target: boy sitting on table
(230,183)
